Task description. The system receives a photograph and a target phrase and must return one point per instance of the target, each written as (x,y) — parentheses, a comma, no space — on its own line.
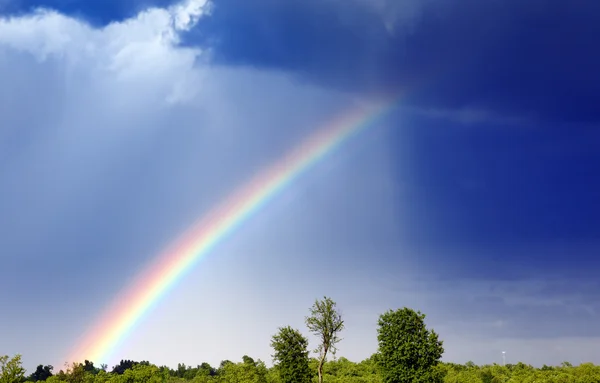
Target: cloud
(98,14)
(533,60)
(146,51)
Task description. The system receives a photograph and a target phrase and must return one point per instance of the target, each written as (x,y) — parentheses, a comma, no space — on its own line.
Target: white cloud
(139,52)
(186,14)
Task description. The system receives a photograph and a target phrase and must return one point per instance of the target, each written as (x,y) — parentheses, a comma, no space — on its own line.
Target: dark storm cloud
(535,58)
(96,12)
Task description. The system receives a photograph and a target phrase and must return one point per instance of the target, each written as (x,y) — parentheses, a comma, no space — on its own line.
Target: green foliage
(41,373)
(520,373)
(408,352)
(339,371)
(291,355)
(11,369)
(247,371)
(122,366)
(325,321)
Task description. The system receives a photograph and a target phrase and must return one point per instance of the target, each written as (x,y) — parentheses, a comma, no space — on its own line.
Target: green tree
(11,369)
(248,360)
(89,367)
(206,369)
(143,373)
(248,371)
(325,321)
(123,366)
(74,373)
(408,352)
(291,355)
(41,373)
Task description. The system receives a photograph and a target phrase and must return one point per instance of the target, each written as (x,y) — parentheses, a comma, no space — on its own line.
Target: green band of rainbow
(170,266)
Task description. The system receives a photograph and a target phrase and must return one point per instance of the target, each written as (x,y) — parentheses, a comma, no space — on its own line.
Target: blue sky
(475,201)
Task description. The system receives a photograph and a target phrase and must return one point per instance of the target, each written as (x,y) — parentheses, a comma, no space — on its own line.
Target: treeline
(338,371)
(407,352)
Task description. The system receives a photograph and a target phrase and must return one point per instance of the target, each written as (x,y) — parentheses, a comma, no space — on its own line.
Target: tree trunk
(320,369)
(321,362)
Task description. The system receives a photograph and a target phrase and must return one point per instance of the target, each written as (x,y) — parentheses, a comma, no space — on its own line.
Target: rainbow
(153,283)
